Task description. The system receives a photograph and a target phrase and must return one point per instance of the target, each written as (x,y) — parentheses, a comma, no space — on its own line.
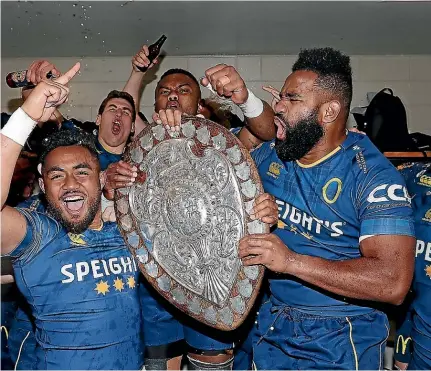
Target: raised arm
(226,82)
(38,107)
(36,73)
(134,83)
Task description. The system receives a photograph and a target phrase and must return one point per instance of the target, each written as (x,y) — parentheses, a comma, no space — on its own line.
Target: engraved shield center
(191,216)
(185,210)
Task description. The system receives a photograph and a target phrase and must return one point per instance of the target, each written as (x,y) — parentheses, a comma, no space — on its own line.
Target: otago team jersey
(326,208)
(21,331)
(105,157)
(82,290)
(417,326)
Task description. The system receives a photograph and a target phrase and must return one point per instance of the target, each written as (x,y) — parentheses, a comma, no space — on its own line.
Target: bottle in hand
(154,51)
(18,79)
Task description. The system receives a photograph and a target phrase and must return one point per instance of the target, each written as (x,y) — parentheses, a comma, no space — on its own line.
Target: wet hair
(67,138)
(174,71)
(333,70)
(118,94)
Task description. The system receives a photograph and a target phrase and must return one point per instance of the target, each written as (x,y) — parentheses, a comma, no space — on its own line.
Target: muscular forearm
(262,126)
(134,85)
(9,155)
(362,278)
(10,149)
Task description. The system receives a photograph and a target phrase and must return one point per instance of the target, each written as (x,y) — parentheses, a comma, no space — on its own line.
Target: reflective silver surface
(191,216)
(185,214)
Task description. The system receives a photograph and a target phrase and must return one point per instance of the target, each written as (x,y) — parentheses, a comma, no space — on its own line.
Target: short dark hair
(66,138)
(174,71)
(118,94)
(333,70)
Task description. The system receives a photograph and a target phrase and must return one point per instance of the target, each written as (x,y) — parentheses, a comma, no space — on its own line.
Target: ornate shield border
(205,134)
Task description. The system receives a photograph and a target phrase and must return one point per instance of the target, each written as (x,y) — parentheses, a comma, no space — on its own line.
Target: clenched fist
(227,82)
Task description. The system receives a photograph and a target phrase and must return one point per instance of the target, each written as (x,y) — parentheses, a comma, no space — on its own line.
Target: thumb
(155,116)
(204,81)
(64,79)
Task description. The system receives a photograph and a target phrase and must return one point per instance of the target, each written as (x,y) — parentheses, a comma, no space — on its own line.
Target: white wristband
(19,127)
(252,107)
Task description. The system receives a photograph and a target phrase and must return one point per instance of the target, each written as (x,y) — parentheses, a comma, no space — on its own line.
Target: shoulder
(41,231)
(262,151)
(40,220)
(367,161)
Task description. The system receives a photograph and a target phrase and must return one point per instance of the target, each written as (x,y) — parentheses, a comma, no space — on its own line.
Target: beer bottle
(18,79)
(154,51)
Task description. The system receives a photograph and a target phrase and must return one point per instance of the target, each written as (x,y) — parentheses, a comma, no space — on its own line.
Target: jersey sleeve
(41,229)
(383,203)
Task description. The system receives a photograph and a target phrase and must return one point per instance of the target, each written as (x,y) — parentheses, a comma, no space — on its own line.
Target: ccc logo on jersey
(331,190)
(386,192)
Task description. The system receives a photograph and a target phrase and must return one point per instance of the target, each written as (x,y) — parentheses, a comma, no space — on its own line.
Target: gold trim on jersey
(321,160)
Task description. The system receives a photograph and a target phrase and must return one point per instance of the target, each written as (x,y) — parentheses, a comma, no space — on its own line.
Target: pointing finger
(64,79)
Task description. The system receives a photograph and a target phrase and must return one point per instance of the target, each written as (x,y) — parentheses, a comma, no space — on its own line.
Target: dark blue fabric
(289,339)
(413,338)
(325,208)
(83,293)
(164,324)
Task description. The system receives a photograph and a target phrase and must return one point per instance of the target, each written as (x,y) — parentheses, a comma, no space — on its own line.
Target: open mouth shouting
(116,127)
(73,202)
(281,128)
(173,104)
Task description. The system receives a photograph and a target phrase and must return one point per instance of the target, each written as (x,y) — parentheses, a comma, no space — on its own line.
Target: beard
(300,137)
(82,225)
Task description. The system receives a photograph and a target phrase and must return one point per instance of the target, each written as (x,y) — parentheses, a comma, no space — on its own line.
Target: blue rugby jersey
(82,290)
(105,157)
(327,207)
(417,325)
(22,321)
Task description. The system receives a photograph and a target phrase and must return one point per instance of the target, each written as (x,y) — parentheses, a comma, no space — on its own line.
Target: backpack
(385,123)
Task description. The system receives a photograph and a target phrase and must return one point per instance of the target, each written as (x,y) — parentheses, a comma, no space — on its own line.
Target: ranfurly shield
(183,218)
